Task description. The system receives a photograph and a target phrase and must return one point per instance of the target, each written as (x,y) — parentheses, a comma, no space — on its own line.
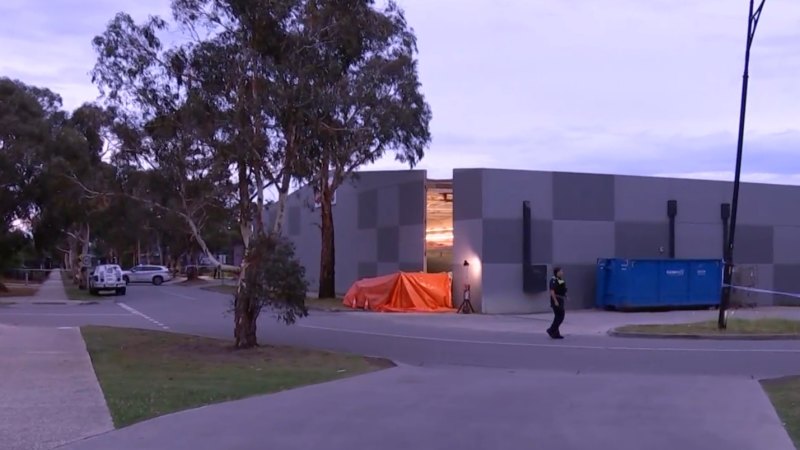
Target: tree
(220,117)
(369,103)
(74,170)
(27,117)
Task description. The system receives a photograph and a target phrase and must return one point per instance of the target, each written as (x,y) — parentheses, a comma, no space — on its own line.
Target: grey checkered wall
(379,224)
(578,218)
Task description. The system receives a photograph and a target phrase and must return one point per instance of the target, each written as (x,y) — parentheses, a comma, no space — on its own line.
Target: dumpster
(658,283)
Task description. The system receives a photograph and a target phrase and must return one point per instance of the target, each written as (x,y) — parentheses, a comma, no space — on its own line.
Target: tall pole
(752,23)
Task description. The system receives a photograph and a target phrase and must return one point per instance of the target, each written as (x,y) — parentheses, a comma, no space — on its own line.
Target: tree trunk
(327,269)
(245,312)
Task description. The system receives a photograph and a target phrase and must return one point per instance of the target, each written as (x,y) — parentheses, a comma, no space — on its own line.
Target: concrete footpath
(49,394)
(476,409)
(586,322)
(51,292)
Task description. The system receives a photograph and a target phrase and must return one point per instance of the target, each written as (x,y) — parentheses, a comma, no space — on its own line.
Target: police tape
(763,291)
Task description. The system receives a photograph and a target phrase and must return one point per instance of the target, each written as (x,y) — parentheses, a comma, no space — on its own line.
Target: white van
(106,277)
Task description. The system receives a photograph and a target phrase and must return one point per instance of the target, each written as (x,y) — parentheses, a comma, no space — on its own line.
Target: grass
(19,291)
(785,396)
(145,374)
(320,304)
(735,326)
(73,293)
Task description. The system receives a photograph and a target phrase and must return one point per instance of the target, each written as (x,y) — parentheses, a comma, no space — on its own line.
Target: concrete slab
(49,393)
(473,408)
(52,289)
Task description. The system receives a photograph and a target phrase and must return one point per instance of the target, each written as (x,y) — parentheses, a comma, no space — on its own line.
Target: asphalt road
(471,382)
(420,342)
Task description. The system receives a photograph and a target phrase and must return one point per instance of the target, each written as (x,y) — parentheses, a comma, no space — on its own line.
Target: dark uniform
(558,287)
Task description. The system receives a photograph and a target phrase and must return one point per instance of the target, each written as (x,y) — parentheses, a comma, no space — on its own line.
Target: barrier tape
(763,291)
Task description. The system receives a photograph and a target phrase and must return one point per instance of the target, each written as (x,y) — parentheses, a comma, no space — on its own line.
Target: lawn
(19,290)
(73,293)
(785,396)
(145,374)
(320,304)
(735,326)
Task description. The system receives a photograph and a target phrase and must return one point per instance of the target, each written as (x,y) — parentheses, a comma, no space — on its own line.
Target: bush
(275,278)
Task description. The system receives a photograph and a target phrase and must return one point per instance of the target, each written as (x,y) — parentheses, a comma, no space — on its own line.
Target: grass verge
(785,396)
(73,293)
(319,304)
(19,291)
(735,326)
(145,374)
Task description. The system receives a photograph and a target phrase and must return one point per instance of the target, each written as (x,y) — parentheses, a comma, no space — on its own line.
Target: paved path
(476,409)
(51,291)
(49,394)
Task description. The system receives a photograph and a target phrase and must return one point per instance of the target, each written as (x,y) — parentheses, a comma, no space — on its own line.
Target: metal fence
(25,275)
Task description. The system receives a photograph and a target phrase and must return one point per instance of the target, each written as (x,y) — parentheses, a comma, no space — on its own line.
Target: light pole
(752,23)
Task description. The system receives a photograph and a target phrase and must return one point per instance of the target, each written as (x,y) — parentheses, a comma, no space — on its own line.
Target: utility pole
(752,23)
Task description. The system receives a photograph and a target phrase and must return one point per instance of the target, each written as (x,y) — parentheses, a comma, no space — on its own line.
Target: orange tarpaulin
(402,291)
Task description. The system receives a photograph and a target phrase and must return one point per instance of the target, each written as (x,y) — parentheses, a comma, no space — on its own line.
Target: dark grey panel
(367,270)
(467,194)
(505,190)
(412,243)
(367,209)
(580,280)
(542,241)
(388,207)
(411,267)
(293,225)
(388,244)
(787,245)
(786,279)
(583,196)
(502,241)
(641,199)
(754,244)
(641,240)
(411,203)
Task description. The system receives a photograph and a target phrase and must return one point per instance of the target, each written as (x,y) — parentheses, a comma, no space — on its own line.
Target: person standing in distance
(558,295)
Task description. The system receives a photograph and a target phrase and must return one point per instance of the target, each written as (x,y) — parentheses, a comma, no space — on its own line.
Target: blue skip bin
(658,283)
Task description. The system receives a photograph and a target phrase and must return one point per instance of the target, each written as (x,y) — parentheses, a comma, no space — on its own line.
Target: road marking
(567,346)
(142,315)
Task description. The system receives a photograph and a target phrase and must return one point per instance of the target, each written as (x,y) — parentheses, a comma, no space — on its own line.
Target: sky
(616,86)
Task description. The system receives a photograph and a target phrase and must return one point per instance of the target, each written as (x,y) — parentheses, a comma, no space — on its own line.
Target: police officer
(558,294)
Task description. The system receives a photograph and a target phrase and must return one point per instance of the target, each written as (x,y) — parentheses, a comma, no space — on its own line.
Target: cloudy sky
(646,87)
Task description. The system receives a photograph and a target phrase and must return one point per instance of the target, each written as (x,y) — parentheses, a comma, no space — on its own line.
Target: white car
(106,277)
(147,274)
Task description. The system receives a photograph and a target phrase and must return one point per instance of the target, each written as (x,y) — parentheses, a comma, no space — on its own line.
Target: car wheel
(158,280)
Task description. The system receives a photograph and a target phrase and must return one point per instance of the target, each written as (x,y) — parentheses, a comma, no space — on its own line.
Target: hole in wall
(439,226)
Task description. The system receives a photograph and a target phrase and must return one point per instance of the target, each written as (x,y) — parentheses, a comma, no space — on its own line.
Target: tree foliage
(244,96)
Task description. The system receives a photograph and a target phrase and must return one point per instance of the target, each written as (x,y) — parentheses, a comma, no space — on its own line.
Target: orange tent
(402,291)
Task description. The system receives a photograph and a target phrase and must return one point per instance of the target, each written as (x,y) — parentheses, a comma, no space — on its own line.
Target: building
(399,220)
